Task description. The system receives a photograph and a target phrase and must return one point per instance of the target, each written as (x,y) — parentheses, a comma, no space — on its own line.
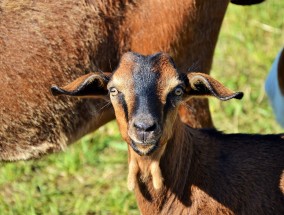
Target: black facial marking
(145,82)
(172,99)
(124,105)
(184,79)
(169,105)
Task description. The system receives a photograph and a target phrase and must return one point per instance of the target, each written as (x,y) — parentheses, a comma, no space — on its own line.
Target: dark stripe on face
(171,100)
(124,105)
(147,101)
(168,106)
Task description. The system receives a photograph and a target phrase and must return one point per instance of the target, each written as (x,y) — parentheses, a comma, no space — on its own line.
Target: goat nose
(145,126)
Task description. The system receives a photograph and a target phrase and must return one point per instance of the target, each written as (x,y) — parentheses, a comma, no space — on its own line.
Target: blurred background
(90,176)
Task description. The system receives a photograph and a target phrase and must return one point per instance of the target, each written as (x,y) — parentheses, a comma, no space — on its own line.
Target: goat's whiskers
(106,105)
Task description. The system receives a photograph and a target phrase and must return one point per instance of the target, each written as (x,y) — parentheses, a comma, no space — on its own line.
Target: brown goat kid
(176,169)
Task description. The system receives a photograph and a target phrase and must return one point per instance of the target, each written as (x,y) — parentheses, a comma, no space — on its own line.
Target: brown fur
(206,172)
(50,41)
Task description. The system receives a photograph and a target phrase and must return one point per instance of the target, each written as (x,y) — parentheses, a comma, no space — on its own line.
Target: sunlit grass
(90,176)
(248,43)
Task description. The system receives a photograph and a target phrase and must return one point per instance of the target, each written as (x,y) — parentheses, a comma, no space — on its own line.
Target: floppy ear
(89,85)
(201,84)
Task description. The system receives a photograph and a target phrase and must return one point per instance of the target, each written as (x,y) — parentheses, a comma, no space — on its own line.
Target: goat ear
(201,84)
(89,85)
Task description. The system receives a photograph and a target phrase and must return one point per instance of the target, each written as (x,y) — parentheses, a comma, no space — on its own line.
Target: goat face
(145,92)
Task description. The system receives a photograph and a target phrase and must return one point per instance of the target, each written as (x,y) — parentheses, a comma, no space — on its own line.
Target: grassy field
(90,177)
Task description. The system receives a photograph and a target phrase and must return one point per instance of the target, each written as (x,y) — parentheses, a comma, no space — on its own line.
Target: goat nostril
(146,127)
(151,128)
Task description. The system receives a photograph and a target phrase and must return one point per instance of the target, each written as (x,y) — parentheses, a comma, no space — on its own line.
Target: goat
(43,41)
(274,87)
(177,169)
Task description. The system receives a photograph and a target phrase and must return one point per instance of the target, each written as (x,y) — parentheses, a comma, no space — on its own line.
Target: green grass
(248,43)
(90,177)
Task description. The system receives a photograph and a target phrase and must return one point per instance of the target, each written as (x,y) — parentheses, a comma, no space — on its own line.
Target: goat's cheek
(168,127)
(167,135)
(121,120)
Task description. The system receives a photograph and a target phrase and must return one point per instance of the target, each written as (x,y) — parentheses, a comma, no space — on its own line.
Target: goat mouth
(143,149)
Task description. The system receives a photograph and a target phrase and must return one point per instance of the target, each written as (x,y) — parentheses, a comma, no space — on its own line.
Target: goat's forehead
(146,71)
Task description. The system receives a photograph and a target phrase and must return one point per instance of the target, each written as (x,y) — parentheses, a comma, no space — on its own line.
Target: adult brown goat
(176,169)
(43,41)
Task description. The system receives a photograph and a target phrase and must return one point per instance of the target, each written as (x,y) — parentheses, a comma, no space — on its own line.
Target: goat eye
(113,91)
(178,91)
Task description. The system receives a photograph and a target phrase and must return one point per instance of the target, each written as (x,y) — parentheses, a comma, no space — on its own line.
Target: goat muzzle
(144,135)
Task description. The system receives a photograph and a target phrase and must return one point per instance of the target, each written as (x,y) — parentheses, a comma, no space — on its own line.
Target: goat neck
(175,165)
